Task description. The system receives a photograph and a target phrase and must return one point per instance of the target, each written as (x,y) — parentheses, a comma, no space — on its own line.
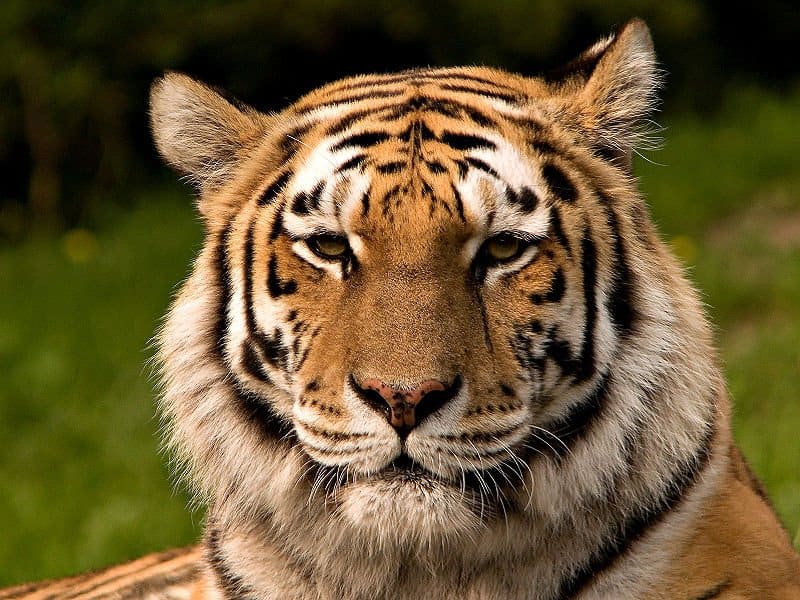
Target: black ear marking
(610,90)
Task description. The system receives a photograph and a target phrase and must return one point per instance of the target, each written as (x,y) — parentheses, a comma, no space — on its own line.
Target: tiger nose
(406,408)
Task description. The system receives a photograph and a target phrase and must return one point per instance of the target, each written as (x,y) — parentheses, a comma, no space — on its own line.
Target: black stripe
(459,203)
(581,67)
(304,356)
(406,135)
(425,190)
(479,164)
(274,189)
(560,435)
(479,117)
(356,161)
(354,98)
(364,139)
(649,514)
(510,98)
(435,167)
(612,155)
(715,591)
(365,203)
(417,77)
(527,122)
(558,229)
(299,326)
(253,407)
(354,117)
(752,480)
(277,225)
(559,184)
(225,293)
(521,344)
(272,349)
(558,285)
(269,422)
(447,108)
(525,199)
(426,134)
(371,81)
(542,146)
(487,335)
(468,77)
(275,351)
(290,143)
(230,584)
(391,167)
(507,391)
(252,363)
(464,142)
(260,413)
(589,266)
(621,294)
(305,202)
(457,110)
(559,351)
(275,285)
(390,194)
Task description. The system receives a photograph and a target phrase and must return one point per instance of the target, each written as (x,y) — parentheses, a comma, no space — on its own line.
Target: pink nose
(406,408)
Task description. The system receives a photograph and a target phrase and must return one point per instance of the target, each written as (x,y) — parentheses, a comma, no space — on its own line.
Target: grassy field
(82,482)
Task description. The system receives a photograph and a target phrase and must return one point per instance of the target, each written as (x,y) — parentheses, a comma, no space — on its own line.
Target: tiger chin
(433,347)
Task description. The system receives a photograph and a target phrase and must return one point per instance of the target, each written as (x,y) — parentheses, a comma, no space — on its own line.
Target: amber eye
(503,247)
(331,247)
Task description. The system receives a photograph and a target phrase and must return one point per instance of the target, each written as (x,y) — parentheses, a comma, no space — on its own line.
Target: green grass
(83,484)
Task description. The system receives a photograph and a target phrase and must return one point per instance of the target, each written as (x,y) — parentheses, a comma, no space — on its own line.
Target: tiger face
(414,284)
(420,306)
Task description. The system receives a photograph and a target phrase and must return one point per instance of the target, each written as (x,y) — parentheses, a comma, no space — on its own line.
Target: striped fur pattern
(583,449)
(169,575)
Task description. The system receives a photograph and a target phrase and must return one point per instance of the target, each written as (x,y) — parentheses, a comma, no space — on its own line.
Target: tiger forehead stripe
(389,86)
(505,100)
(419,75)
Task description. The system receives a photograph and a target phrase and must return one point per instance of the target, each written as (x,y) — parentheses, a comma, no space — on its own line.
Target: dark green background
(95,233)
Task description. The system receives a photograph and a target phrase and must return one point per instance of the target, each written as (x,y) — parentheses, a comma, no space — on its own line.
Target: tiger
(434,347)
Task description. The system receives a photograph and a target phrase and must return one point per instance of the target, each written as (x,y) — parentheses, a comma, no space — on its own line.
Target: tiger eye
(503,247)
(328,246)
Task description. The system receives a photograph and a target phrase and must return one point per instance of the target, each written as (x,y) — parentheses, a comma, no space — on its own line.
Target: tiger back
(434,347)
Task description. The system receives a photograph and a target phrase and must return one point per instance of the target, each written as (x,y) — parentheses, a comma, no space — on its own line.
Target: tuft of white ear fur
(200,133)
(611,90)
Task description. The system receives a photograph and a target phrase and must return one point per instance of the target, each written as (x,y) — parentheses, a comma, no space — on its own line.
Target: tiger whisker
(554,436)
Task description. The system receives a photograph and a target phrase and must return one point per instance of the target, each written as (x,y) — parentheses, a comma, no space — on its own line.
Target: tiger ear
(611,89)
(200,133)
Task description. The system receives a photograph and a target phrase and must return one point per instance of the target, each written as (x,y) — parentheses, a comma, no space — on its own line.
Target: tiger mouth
(405,467)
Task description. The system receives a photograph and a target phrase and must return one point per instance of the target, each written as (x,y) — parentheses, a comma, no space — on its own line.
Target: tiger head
(415,293)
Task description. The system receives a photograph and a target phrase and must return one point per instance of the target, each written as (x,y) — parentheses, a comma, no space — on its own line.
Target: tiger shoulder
(433,347)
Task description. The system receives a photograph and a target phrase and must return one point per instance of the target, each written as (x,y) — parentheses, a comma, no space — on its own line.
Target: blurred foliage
(74,76)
